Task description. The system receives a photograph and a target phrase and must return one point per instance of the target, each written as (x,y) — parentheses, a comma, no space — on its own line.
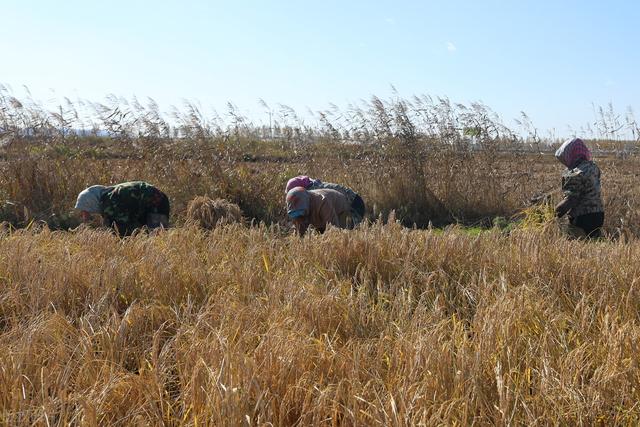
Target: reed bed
(429,160)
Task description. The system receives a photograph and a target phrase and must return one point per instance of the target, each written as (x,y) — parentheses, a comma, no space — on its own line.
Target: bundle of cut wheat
(209,213)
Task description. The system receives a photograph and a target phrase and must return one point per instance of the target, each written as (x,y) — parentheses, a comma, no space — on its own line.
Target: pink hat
(571,151)
(299,181)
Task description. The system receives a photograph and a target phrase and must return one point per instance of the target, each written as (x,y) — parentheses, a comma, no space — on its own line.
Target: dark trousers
(591,224)
(358,206)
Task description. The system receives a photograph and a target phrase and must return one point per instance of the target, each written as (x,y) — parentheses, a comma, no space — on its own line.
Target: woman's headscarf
(89,199)
(297,202)
(299,181)
(571,151)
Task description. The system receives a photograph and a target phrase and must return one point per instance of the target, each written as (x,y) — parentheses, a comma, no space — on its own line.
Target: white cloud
(390,21)
(451,47)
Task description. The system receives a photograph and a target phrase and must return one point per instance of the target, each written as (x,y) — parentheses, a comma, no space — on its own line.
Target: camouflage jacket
(581,187)
(127,205)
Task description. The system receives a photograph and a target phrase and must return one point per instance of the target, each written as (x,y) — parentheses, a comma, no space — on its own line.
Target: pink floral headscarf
(299,181)
(571,151)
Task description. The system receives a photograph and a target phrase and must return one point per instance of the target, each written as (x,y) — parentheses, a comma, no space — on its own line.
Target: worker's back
(328,206)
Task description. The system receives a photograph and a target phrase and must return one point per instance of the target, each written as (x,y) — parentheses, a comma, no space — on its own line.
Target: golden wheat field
(379,326)
(247,324)
(458,302)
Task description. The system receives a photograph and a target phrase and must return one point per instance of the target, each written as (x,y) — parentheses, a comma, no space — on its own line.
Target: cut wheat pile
(209,213)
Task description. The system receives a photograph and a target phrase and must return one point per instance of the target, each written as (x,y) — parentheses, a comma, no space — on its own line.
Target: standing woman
(125,207)
(356,211)
(581,187)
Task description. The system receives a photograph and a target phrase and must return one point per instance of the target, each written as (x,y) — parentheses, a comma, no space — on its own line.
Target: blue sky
(552,59)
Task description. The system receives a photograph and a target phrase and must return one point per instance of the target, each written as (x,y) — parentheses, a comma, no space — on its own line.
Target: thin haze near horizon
(553,60)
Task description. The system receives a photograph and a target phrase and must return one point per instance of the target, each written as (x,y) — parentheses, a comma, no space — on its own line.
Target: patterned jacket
(127,205)
(581,187)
